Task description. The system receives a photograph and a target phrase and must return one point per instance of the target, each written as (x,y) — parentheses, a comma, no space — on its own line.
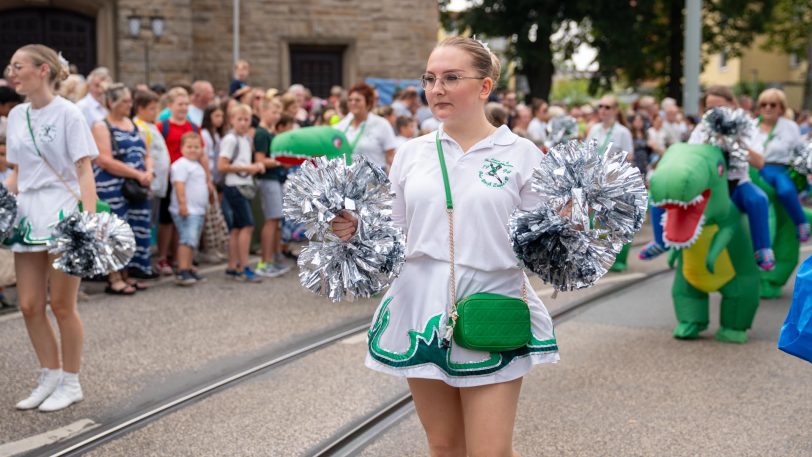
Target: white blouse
(778,150)
(488,183)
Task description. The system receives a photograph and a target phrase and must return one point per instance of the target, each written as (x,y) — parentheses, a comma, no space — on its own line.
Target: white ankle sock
(70,379)
(52,373)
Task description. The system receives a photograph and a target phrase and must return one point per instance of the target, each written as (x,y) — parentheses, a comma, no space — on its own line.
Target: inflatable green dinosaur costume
(784,239)
(714,252)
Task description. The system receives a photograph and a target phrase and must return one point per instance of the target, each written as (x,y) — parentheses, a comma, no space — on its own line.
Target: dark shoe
(126,290)
(290,255)
(197,277)
(137,284)
(185,278)
(6,304)
(141,274)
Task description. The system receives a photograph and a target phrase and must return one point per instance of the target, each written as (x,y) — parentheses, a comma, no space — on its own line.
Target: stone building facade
(320,42)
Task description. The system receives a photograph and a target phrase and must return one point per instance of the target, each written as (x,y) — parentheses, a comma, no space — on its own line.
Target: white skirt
(405,338)
(38,212)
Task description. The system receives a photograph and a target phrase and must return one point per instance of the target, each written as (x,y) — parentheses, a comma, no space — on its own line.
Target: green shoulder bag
(483,321)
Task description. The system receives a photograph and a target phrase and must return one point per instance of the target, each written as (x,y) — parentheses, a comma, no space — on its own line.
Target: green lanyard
(608,137)
(770,136)
(448,203)
(31,131)
(358,136)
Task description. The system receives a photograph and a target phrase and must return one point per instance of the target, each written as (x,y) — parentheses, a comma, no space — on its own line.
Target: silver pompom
(367,263)
(729,130)
(88,244)
(607,186)
(8,212)
(606,201)
(561,254)
(801,160)
(561,129)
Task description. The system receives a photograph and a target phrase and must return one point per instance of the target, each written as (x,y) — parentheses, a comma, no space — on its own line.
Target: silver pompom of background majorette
(88,244)
(367,263)
(605,201)
(801,159)
(561,129)
(8,212)
(729,130)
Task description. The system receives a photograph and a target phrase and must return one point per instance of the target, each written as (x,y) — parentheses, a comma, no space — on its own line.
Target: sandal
(138,285)
(126,290)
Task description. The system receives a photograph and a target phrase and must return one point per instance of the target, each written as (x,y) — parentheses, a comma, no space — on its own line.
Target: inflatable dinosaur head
(690,183)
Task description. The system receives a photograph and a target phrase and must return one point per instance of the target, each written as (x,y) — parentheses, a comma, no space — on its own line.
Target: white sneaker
(283,267)
(46,385)
(270,270)
(66,394)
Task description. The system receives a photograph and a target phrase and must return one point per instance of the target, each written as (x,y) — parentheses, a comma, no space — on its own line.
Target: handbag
(215,230)
(101,205)
(482,321)
(131,189)
(796,333)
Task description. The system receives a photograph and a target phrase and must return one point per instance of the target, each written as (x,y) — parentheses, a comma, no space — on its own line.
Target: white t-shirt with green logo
(488,183)
(62,136)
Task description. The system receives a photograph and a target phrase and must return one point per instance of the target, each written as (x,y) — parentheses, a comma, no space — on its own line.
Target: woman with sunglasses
(50,143)
(612,130)
(370,135)
(612,127)
(778,135)
(465,399)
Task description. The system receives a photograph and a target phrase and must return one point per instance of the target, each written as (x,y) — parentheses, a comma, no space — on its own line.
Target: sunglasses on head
(769,104)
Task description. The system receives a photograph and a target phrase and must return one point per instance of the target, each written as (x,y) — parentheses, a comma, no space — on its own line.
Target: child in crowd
(236,164)
(189,199)
(241,71)
(405,128)
(286,123)
(270,188)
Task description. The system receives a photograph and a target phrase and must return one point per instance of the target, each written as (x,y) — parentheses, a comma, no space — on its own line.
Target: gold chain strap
(453,315)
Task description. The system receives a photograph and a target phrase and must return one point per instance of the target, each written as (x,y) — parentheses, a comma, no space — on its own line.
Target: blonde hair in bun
(485,62)
(43,55)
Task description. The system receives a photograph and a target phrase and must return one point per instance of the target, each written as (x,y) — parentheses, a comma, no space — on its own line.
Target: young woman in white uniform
(466,400)
(50,142)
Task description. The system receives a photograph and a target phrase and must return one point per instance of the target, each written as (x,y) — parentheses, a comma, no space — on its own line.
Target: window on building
(793,60)
(317,67)
(723,60)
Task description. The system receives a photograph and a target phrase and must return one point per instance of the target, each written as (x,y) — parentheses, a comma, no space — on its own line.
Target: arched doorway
(72,33)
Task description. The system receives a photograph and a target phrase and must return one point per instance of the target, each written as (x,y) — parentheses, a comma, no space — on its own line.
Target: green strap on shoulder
(449,204)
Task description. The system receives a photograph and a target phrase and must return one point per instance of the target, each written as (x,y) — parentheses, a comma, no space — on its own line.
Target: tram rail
(345,442)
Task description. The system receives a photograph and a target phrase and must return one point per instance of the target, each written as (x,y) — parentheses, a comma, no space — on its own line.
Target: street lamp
(156,26)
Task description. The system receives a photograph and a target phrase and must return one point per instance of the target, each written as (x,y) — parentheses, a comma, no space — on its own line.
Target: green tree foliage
(790,31)
(635,39)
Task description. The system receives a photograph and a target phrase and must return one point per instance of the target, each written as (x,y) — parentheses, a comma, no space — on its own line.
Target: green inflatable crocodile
(713,247)
(784,238)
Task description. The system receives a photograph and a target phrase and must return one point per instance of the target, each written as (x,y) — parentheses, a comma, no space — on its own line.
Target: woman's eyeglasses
(449,81)
(605,107)
(768,105)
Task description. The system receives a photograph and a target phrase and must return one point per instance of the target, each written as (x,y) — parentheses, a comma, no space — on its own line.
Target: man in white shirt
(673,127)
(92,105)
(202,96)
